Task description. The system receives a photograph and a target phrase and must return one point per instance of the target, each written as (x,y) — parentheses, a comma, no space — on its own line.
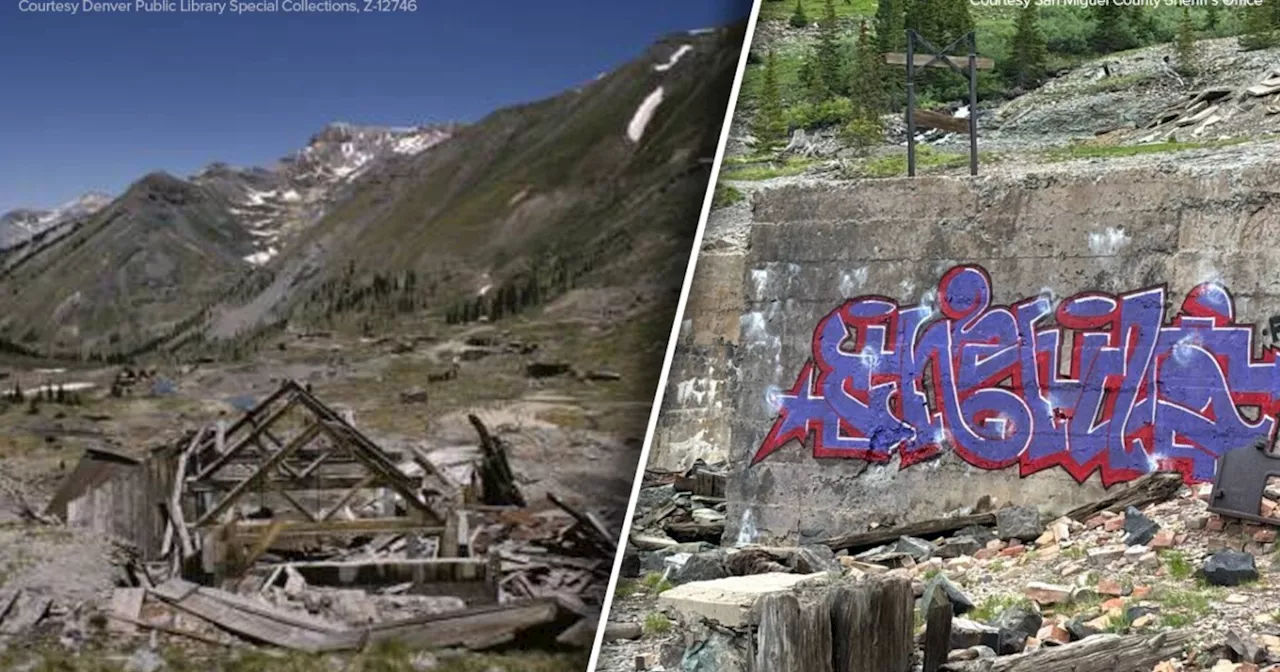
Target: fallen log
(1099,653)
(925,529)
(1149,489)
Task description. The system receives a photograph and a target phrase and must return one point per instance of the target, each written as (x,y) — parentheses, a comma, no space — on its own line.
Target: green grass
(1087,151)
(785,168)
(1177,564)
(656,624)
(928,160)
(781,10)
(992,606)
(626,588)
(1191,603)
(726,196)
(656,583)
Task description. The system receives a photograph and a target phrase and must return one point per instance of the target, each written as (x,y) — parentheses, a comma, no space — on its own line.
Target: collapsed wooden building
(292,493)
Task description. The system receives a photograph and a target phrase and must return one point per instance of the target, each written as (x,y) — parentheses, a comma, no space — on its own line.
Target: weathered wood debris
(292,528)
(851,602)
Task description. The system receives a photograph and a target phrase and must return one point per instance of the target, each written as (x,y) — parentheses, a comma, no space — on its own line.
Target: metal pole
(973,103)
(911,103)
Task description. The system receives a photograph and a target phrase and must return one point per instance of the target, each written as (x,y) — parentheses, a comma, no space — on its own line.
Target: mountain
(597,187)
(19,227)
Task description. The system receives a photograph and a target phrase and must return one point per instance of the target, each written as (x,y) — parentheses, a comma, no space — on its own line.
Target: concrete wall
(697,406)
(1097,229)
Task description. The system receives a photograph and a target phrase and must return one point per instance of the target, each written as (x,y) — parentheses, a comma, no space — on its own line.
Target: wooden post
(871,625)
(937,633)
(794,634)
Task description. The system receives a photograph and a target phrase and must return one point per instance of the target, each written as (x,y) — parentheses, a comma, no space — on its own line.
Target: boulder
(1018,522)
(958,546)
(919,549)
(1080,629)
(1229,568)
(413,395)
(1139,529)
(705,566)
(960,603)
(966,634)
(1016,624)
(812,559)
(655,561)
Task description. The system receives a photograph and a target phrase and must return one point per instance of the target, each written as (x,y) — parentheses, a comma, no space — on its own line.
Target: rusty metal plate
(1241,479)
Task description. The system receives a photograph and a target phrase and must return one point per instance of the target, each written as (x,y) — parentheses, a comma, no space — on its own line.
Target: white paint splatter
(1109,241)
(635,130)
(1185,348)
(759,278)
(747,532)
(853,281)
(675,58)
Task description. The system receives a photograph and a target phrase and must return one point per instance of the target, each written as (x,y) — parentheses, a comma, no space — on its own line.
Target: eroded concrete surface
(772,268)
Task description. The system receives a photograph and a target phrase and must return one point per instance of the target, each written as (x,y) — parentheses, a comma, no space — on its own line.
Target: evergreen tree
(1027,58)
(1185,45)
(866,90)
(890,26)
(1211,17)
(810,82)
(1261,26)
(1114,29)
(827,59)
(798,18)
(770,126)
(866,93)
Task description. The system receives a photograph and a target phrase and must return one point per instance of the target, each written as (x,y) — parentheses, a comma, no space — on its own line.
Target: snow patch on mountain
(20,226)
(644,113)
(675,58)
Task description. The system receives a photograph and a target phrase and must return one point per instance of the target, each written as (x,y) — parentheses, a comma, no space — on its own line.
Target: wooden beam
(267,466)
(937,632)
(921,60)
(240,445)
(1149,489)
(346,496)
(1098,653)
(941,121)
(243,530)
(925,528)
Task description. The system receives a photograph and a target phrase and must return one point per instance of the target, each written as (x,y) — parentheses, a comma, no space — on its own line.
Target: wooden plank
(941,121)
(477,627)
(1099,653)
(176,519)
(926,528)
(126,605)
(1149,489)
(243,531)
(921,60)
(26,611)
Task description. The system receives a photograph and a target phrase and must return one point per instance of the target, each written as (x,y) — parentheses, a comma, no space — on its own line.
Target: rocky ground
(1016,586)
(566,392)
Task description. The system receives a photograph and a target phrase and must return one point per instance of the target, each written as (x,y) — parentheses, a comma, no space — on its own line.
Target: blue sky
(92,102)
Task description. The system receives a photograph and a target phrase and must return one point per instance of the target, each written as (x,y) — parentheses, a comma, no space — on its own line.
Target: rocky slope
(594,187)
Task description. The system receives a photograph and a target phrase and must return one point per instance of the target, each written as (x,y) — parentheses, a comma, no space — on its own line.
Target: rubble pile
(290,529)
(1118,578)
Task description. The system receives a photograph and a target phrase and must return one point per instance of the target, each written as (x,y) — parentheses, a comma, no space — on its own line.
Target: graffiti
(1103,383)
